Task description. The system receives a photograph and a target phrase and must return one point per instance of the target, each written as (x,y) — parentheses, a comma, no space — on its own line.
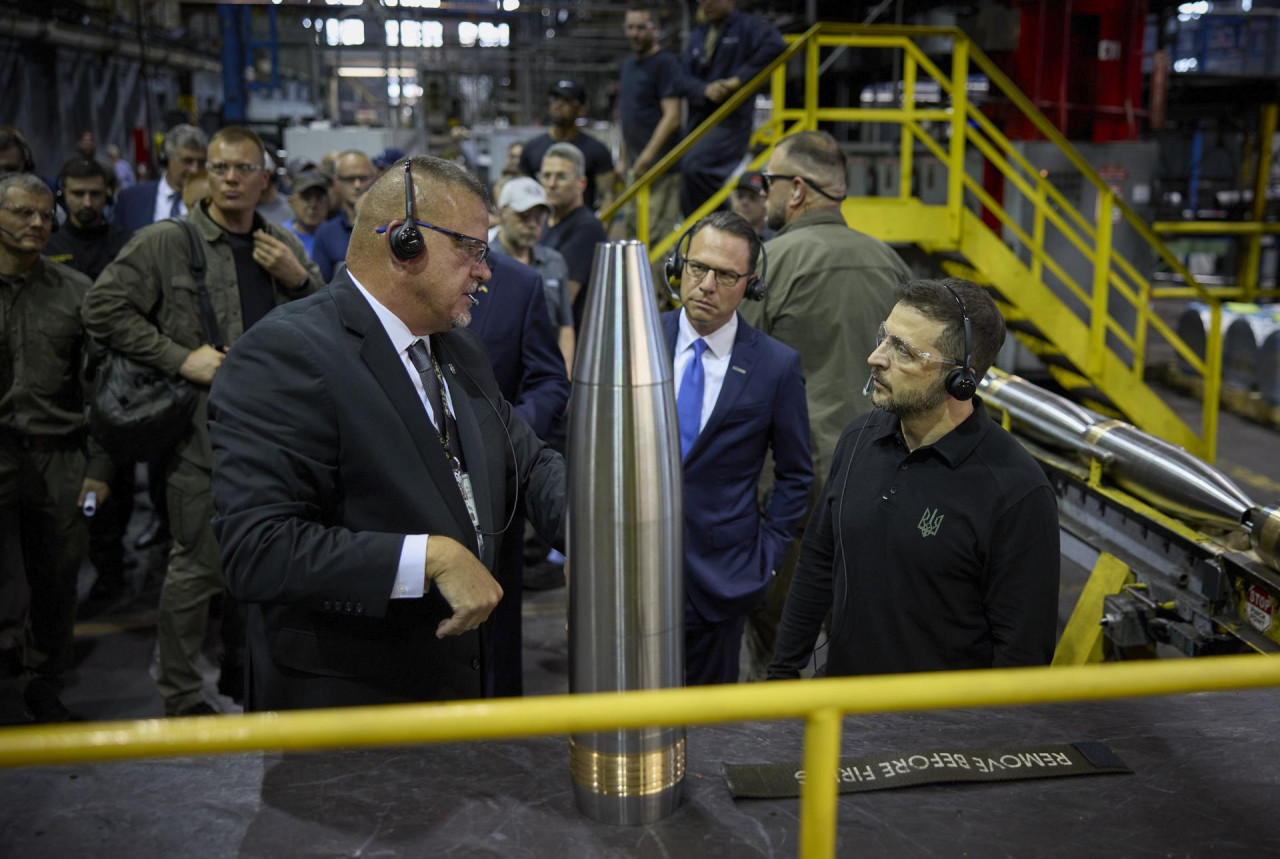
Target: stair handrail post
(959,110)
(905,165)
(1101,284)
(1212,384)
(1037,230)
(811,62)
(1251,259)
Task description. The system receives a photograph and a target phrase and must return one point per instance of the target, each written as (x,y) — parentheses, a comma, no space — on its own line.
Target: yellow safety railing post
(908,116)
(819,793)
(811,57)
(1251,257)
(778,95)
(959,111)
(642,214)
(1101,280)
(1212,385)
(1037,230)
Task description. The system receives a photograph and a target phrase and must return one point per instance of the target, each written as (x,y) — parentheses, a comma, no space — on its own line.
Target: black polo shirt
(945,557)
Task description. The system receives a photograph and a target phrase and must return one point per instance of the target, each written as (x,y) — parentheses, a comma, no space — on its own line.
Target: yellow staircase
(1095,356)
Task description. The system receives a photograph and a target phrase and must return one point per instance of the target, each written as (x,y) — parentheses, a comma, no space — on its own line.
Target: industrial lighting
(1187,64)
(373,72)
(1195,10)
(510,5)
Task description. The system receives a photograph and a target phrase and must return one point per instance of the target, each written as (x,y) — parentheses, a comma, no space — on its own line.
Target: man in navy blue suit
(512,321)
(739,396)
(185,148)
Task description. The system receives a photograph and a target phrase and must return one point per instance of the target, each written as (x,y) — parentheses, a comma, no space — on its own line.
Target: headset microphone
(475,302)
(870,386)
(11,234)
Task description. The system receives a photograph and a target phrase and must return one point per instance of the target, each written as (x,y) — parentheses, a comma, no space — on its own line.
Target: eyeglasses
(358,179)
(477,249)
(222,168)
(724,277)
(27,213)
(768,179)
(902,351)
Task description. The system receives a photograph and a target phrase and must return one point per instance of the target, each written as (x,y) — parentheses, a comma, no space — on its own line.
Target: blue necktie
(175,206)
(689,403)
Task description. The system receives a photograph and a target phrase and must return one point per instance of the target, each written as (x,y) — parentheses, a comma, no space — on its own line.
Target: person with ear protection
(146,305)
(367,468)
(48,465)
(87,241)
(934,544)
(740,396)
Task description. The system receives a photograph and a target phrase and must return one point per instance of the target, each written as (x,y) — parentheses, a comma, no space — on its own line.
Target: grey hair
(184,137)
(569,153)
(29,182)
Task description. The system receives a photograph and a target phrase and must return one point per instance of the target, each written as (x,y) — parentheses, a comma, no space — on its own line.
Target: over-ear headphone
(406,239)
(961,383)
(674,267)
(11,137)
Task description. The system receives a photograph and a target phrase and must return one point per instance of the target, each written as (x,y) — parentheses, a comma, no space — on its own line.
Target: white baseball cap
(522,194)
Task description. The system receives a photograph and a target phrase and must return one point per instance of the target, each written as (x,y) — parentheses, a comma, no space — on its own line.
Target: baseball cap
(750,181)
(569,90)
(308,180)
(522,194)
(387,157)
(299,164)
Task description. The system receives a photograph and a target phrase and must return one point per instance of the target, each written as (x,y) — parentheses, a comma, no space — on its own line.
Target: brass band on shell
(635,774)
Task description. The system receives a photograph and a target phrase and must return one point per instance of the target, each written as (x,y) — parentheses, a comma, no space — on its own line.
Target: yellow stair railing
(1109,355)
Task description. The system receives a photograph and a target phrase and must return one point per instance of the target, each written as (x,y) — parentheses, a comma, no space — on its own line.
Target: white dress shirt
(715,361)
(410,575)
(164,201)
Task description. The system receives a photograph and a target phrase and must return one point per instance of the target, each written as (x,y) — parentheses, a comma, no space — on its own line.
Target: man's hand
(641,166)
(464,583)
(718,91)
(275,256)
(97,487)
(202,364)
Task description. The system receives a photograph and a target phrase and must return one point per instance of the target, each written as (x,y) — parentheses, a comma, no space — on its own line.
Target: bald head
(438,186)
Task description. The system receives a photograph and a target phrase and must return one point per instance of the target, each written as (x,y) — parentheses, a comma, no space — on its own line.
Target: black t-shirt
(939,558)
(257,293)
(88,251)
(596,154)
(645,83)
(576,237)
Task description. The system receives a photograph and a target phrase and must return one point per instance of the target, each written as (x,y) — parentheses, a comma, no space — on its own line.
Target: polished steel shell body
(1164,475)
(626,588)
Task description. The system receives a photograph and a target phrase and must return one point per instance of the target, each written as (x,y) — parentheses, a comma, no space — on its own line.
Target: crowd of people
(382,351)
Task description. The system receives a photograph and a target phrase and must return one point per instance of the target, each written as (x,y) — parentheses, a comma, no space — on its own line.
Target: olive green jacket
(144,303)
(830,287)
(41,347)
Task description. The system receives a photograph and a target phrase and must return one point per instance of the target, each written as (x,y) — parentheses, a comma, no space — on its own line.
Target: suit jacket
(324,458)
(135,206)
(512,321)
(730,550)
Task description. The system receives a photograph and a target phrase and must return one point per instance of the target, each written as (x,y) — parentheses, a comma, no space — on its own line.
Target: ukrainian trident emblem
(930,522)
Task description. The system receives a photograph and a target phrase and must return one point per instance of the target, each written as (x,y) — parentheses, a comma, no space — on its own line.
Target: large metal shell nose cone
(626,587)
(621,341)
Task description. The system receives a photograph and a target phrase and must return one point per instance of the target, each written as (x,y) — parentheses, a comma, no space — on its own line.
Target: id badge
(469,498)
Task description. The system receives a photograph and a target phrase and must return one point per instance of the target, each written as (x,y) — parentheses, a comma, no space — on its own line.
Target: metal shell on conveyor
(1264,534)
(626,588)
(1164,475)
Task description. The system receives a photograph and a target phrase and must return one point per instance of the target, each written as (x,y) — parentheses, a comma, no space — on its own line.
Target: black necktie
(425,363)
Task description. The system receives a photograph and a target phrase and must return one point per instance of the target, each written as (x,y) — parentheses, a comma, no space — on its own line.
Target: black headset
(961,383)
(406,239)
(756,285)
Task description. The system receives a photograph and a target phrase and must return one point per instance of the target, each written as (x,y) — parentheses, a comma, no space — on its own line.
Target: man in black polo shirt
(87,241)
(573,230)
(935,541)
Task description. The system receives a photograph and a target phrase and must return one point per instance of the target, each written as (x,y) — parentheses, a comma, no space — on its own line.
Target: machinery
(1180,555)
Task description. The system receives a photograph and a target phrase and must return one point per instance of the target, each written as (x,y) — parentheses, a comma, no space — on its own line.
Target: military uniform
(44,455)
(144,305)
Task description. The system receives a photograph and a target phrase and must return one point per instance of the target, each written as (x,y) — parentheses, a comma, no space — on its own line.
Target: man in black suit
(362,538)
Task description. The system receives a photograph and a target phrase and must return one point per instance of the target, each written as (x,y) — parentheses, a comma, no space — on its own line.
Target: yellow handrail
(821,702)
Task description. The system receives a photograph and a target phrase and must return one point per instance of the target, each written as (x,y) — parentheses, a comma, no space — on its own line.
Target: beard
(775,217)
(460,320)
(88,217)
(913,403)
